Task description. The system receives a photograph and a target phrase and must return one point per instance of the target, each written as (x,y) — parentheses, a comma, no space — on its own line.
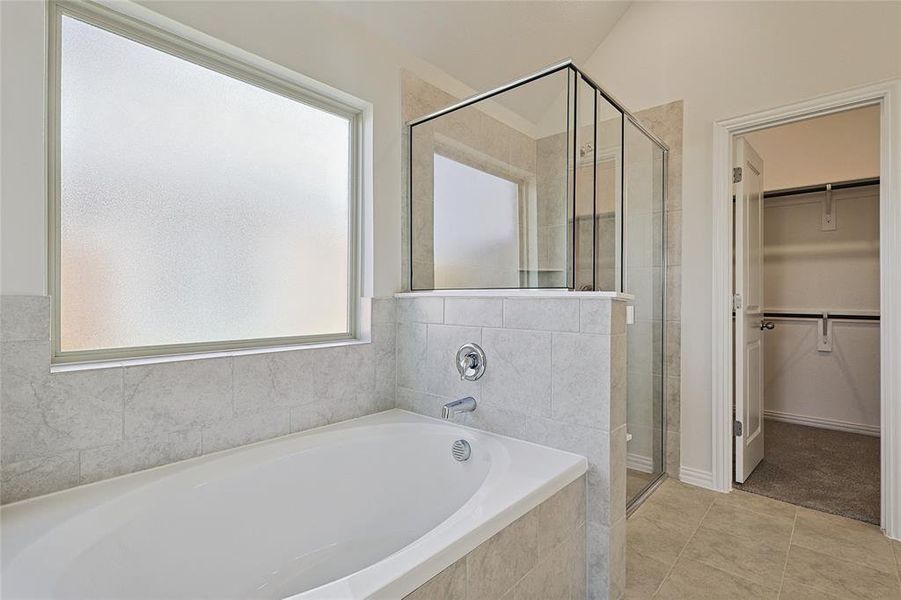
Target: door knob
(764,324)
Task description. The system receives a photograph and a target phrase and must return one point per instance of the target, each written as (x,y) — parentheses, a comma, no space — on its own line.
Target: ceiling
(487,43)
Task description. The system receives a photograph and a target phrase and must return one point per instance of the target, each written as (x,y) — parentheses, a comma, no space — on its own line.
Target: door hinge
(736,301)
(736,175)
(736,428)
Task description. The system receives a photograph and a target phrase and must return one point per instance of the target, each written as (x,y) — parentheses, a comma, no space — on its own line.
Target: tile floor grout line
(687,542)
(895,557)
(855,523)
(835,558)
(737,573)
(762,512)
(797,514)
(785,565)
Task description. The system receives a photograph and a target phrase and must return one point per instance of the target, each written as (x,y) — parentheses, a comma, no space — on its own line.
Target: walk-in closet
(820,316)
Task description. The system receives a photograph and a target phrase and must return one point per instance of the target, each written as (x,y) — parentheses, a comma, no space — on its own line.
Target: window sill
(154,360)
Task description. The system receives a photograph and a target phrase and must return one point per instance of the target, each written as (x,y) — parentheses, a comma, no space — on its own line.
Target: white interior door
(748,309)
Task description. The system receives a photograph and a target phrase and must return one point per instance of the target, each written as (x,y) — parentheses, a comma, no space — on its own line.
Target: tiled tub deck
(539,556)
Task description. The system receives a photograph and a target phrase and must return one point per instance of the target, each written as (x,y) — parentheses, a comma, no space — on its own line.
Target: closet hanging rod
(810,189)
(818,316)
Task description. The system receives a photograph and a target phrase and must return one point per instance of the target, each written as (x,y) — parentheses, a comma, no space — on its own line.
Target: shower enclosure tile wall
(556,376)
(68,428)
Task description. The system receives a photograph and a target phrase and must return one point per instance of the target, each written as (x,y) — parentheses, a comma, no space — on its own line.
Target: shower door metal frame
(571,121)
(636,501)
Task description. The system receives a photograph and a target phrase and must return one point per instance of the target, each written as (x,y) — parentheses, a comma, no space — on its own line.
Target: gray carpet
(830,471)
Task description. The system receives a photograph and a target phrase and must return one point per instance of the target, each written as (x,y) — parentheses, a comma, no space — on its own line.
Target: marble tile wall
(539,556)
(68,428)
(553,221)
(555,376)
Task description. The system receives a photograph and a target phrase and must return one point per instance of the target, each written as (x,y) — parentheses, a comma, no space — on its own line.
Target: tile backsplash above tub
(62,429)
(556,375)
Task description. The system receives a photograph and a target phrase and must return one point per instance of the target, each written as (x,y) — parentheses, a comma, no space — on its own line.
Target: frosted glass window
(194,207)
(476,227)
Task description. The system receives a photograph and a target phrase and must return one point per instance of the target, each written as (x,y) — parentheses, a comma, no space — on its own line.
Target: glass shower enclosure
(548,182)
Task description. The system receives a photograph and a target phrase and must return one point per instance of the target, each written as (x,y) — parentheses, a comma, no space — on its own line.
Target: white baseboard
(697,477)
(637,462)
(833,424)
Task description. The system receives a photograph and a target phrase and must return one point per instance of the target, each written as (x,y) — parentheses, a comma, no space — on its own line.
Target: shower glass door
(644,277)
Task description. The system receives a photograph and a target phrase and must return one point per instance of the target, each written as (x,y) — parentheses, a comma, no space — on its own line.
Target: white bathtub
(372,507)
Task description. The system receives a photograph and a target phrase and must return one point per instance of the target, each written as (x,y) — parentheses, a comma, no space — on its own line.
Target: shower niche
(549,183)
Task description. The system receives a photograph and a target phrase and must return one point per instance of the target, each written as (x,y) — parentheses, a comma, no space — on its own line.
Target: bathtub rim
(418,574)
(378,579)
(209,457)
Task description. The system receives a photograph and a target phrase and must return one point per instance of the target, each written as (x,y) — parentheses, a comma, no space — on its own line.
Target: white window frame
(127,20)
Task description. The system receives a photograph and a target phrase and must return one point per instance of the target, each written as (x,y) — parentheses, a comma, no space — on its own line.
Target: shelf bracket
(828,223)
(824,334)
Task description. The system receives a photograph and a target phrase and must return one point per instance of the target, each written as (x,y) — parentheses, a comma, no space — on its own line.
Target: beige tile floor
(691,543)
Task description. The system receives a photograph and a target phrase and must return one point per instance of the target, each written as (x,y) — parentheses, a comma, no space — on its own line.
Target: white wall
(302,36)
(837,147)
(23,208)
(807,269)
(724,60)
(837,389)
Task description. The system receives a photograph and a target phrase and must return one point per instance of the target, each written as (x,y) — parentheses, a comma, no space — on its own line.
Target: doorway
(807,310)
(887,97)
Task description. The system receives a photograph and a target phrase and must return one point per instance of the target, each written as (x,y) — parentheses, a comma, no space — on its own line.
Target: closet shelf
(812,189)
(817,316)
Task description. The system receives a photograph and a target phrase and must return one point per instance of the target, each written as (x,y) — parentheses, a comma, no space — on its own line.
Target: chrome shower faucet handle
(470,362)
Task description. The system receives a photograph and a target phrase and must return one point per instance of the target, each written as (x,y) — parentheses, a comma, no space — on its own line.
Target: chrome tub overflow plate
(461,450)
